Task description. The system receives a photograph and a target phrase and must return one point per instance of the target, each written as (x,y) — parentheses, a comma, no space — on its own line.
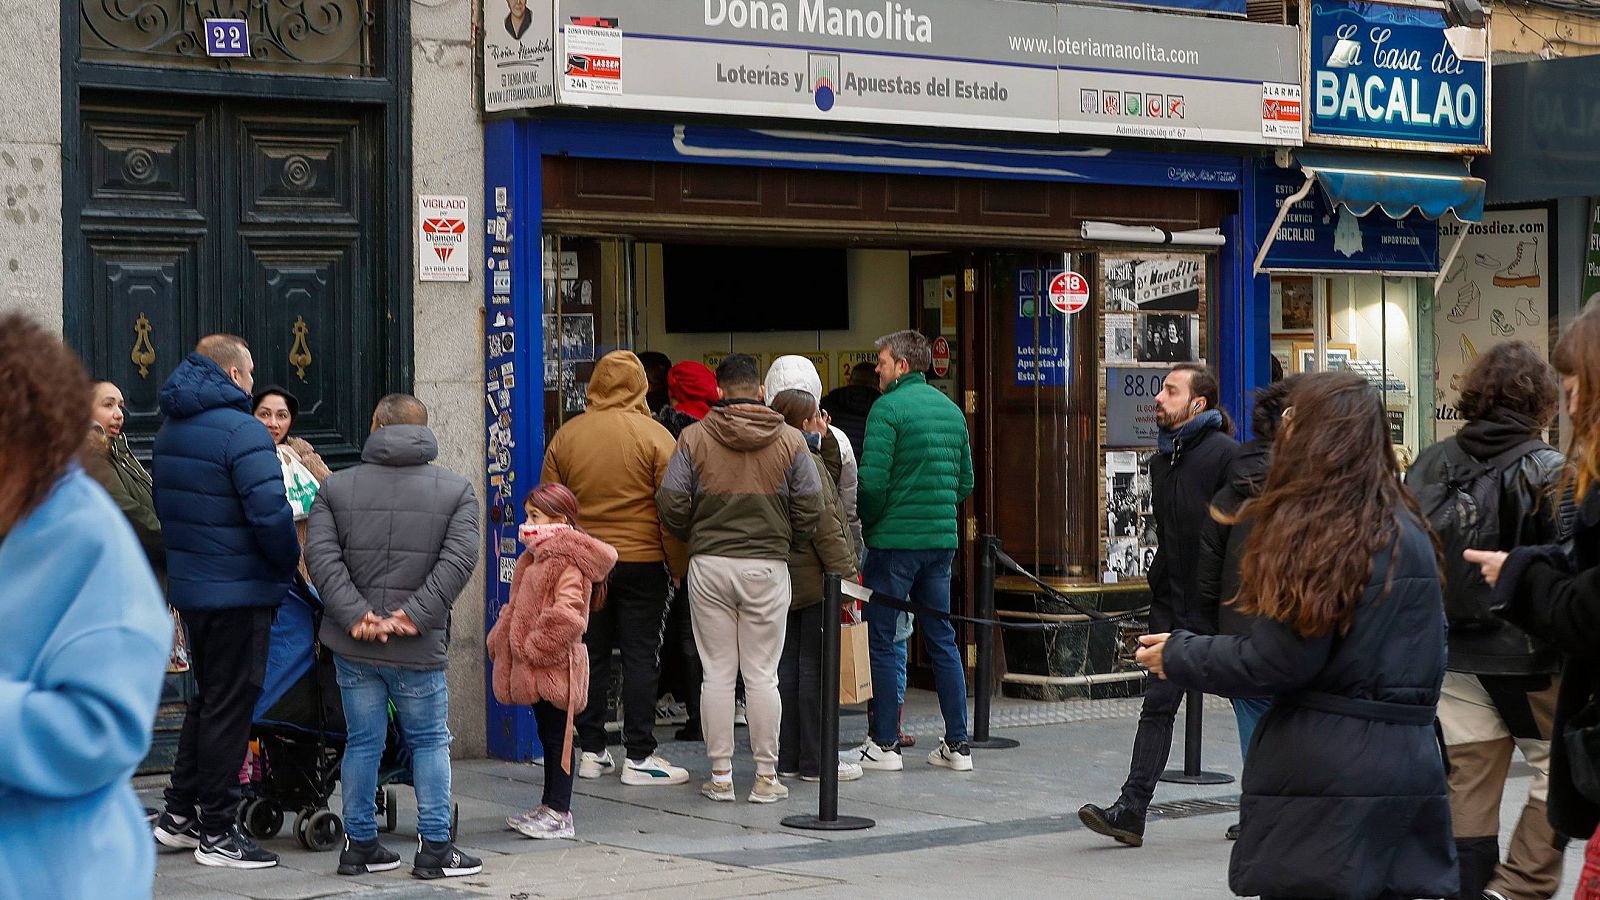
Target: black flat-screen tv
(712,288)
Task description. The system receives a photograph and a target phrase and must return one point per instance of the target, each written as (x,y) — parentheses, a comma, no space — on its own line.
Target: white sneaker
(720,791)
(653,770)
(957,758)
(594,765)
(871,756)
(848,771)
(739,718)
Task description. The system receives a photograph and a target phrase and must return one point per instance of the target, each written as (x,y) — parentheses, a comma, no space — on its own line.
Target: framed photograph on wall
(1293,305)
(1305,356)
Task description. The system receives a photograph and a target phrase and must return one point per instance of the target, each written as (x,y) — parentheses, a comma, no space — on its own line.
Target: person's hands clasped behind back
(373,627)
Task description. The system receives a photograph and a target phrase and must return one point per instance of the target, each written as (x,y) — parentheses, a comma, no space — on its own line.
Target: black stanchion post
(827,817)
(1193,720)
(983,674)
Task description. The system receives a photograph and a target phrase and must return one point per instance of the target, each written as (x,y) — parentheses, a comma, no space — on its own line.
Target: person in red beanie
(692,388)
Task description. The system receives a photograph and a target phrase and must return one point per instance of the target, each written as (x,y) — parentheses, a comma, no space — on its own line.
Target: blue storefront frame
(514,148)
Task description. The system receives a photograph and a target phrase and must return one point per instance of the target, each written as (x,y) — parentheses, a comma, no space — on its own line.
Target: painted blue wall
(511,175)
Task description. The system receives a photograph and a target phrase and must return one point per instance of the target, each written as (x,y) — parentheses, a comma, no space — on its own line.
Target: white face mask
(533,535)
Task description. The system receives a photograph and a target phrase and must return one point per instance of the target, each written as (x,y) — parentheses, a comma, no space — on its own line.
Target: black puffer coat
(1222,546)
(1345,793)
(1556,597)
(1528,517)
(1182,484)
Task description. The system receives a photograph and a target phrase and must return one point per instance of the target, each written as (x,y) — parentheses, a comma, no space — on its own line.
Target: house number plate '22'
(227,37)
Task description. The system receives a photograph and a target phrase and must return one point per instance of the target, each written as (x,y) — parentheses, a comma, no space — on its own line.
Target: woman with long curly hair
(1555,595)
(1344,792)
(86,642)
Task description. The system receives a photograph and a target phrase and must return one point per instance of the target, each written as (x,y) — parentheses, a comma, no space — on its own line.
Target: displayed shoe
(362,857)
(653,770)
(1469,351)
(1114,821)
(1497,324)
(670,712)
(177,833)
(768,789)
(1232,833)
(957,758)
(544,824)
(233,850)
(848,771)
(594,765)
(875,756)
(1526,313)
(1485,260)
(1469,298)
(1456,268)
(739,718)
(1523,271)
(441,859)
(720,791)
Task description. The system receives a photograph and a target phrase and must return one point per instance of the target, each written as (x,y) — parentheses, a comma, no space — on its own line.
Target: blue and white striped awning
(1396,184)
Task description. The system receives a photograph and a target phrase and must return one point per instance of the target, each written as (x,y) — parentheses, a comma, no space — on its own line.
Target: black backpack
(1463,508)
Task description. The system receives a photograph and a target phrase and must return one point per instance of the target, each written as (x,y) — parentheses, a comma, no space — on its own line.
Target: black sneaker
(442,860)
(233,850)
(1233,832)
(175,833)
(361,857)
(1115,822)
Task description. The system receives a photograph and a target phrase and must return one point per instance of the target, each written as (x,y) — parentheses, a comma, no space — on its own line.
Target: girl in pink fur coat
(536,646)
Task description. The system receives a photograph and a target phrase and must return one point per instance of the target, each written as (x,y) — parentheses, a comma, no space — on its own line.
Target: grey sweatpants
(741,608)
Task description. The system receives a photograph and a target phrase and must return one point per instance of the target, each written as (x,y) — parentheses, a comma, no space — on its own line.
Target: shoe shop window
(1498,288)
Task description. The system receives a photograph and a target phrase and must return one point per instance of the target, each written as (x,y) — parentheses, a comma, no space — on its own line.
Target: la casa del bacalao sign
(1392,75)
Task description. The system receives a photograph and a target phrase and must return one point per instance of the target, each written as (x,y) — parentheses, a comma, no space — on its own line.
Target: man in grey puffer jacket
(391,543)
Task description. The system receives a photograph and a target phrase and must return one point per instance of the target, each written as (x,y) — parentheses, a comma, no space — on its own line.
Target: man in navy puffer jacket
(232,554)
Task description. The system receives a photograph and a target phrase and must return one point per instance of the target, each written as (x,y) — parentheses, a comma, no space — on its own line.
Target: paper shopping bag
(855,665)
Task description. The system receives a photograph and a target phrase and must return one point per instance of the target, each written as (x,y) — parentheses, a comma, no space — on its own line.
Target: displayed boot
(1526,313)
(1497,324)
(1469,297)
(1522,271)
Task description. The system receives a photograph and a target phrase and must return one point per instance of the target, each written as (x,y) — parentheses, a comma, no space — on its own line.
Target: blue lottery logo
(824,95)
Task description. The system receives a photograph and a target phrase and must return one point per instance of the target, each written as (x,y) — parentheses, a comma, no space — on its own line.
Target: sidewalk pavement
(1007,829)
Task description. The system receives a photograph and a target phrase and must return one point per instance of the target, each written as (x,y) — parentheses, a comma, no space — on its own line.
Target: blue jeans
(923,577)
(422,705)
(1247,711)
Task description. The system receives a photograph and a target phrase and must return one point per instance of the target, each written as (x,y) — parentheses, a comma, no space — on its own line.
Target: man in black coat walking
(1195,450)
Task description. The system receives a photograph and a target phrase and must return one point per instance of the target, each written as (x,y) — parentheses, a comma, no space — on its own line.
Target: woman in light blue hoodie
(86,641)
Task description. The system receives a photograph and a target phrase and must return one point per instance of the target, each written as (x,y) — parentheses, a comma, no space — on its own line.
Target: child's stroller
(299,737)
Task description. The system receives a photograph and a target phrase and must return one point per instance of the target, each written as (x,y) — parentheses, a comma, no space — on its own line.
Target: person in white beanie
(799,374)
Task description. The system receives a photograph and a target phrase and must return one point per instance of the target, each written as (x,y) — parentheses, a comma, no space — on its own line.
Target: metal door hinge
(972,528)
(971,278)
(971,398)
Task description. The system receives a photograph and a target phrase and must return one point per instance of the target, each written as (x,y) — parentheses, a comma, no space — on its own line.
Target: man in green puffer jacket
(916,467)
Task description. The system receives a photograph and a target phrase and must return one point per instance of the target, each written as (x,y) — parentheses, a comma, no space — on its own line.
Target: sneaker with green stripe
(653,770)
